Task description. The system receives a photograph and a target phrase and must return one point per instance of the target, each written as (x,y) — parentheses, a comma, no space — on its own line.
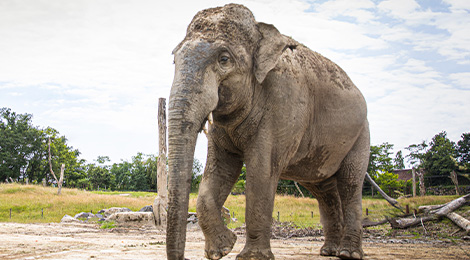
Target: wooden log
(61,179)
(161,202)
(435,214)
(459,221)
(390,200)
(428,208)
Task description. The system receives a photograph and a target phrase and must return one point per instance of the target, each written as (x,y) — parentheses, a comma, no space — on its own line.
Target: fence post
(278,217)
(10,213)
(161,202)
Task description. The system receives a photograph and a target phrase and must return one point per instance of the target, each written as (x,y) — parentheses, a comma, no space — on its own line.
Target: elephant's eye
(224,59)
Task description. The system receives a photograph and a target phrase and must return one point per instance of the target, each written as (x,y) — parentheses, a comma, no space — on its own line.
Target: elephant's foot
(220,245)
(350,249)
(255,254)
(351,254)
(329,249)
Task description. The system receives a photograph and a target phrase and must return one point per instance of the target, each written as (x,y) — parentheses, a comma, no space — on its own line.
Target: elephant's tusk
(204,128)
(210,118)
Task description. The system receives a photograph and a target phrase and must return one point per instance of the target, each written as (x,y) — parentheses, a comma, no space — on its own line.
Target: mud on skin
(280,108)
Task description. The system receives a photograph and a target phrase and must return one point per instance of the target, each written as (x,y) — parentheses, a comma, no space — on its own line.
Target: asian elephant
(285,111)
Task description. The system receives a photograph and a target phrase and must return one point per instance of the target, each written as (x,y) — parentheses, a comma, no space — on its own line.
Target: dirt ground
(87,241)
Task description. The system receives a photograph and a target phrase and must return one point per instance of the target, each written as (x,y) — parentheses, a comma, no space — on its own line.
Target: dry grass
(26,202)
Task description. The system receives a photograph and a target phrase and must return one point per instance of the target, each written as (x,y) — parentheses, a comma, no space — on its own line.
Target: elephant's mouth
(209,118)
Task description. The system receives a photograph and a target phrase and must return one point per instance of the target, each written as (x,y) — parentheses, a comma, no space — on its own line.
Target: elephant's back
(337,114)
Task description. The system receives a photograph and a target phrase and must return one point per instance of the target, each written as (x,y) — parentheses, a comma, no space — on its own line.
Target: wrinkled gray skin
(284,110)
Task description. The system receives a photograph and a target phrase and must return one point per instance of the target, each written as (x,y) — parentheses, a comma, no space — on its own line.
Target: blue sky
(94,70)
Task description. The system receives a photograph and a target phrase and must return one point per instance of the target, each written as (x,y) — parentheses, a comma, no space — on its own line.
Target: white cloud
(402,9)
(94,70)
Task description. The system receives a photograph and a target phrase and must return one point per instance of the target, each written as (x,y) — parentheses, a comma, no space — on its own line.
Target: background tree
(18,142)
(196,175)
(439,159)
(416,157)
(99,175)
(463,152)
(399,161)
(380,159)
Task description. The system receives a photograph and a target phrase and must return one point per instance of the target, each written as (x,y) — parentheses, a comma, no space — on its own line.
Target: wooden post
(59,182)
(297,186)
(161,202)
(422,188)
(453,176)
(61,178)
(413,174)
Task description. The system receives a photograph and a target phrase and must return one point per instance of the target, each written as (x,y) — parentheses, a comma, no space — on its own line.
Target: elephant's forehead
(195,51)
(234,24)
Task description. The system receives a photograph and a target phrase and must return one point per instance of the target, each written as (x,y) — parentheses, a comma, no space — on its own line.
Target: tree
(380,160)
(99,174)
(463,152)
(439,158)
(417,154)
(196,175)
(18,142)
(399,161)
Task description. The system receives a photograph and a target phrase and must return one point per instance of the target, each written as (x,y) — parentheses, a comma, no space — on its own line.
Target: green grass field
(27,201)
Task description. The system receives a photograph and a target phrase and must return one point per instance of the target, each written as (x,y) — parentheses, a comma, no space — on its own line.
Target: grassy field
(27,201)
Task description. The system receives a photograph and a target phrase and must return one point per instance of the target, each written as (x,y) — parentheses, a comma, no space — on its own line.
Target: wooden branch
(50,163)
(438,212)
(390,200)
(455,180)
(61,180)
(428,208)
(297,186)
(459,221)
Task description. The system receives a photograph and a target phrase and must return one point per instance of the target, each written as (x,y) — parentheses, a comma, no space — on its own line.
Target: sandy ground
(81,241)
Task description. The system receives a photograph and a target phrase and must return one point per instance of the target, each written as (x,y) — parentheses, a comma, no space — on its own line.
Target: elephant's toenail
(344,254)
(356,255)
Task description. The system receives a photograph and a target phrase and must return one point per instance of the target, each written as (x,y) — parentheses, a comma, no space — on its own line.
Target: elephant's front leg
(261,185)
(221,173)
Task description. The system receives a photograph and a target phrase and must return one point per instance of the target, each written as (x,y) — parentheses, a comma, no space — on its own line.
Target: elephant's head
(225,55)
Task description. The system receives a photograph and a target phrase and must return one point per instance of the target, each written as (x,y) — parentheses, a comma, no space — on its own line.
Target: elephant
(284,111)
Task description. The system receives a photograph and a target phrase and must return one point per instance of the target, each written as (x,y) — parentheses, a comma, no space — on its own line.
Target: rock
(192,226)
(192,219)
(133,219)
(466,238)
(69,219)
(146,209)
(225,215)
(99,216)
(108,212)
(85,215)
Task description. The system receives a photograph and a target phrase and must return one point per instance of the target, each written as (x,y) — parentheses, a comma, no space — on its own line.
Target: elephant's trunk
(191,101)
(180,157)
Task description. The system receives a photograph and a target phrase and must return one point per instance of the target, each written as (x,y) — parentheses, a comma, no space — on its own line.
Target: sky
(95,69)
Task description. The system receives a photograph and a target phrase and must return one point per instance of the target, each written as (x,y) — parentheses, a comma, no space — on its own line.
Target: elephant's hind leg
(222,171)
(350,179)
(331,214)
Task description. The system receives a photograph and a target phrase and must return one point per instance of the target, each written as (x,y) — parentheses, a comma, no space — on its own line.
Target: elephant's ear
(270,48)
